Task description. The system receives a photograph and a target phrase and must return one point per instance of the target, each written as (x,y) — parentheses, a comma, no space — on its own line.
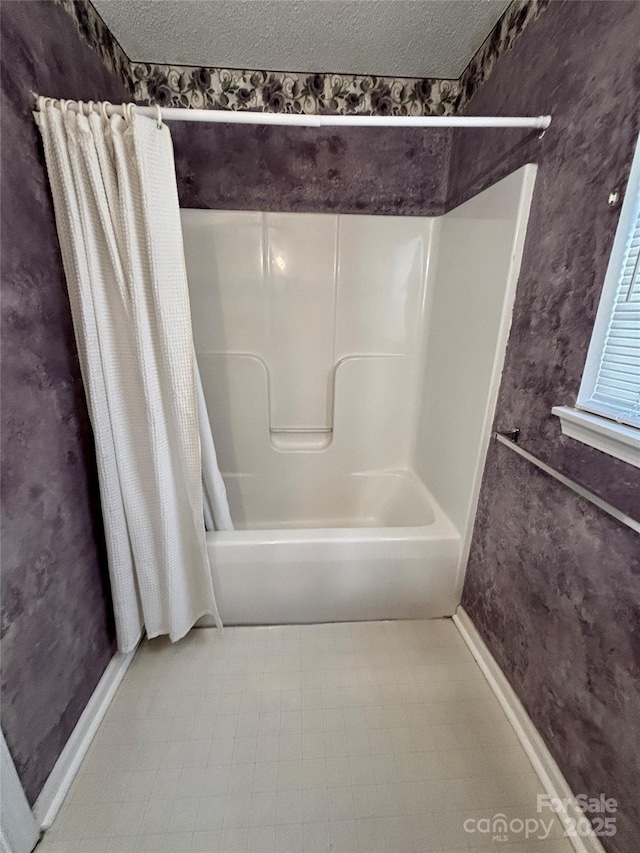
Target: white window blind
(613,388)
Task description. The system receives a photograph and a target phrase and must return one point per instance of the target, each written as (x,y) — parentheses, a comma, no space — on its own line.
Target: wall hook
(614,197)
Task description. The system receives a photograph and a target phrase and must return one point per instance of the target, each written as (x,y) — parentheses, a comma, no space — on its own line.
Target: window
(607,413)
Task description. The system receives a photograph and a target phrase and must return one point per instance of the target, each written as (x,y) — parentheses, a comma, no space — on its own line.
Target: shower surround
(350,376)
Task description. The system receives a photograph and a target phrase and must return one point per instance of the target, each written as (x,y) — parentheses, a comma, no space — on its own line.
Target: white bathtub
(331,345)
(360,547)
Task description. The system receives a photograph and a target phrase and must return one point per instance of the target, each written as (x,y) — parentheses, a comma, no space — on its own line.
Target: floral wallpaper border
(228,89)
(269,91)
(517,16)
(98,36)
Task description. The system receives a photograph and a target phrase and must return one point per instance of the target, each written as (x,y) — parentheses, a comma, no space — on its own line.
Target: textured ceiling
(394,38)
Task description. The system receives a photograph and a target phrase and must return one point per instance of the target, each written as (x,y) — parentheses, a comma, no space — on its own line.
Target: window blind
(616,391)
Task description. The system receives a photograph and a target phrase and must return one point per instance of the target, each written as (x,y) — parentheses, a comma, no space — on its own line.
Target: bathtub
(360,547)
(347,360)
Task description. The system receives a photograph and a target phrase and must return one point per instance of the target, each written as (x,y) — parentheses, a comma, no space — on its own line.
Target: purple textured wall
(57,632)
(553,584)
(579,62)
(382,171)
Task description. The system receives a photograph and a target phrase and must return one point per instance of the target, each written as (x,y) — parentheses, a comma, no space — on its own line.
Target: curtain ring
(158,117)
(128,111)
(102,106)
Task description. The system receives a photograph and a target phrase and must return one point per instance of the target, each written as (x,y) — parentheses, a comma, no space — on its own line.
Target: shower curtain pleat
(118,220)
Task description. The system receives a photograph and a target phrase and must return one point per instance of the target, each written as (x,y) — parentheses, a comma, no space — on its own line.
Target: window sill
(617,440)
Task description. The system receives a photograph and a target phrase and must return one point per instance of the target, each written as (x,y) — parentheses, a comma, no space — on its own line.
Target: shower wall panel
(309,332)
(479,253)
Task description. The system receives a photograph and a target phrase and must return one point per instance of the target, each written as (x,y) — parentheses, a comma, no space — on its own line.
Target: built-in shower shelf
(301,440)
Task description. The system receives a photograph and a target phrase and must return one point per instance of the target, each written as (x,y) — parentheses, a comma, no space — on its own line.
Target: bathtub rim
(440,528)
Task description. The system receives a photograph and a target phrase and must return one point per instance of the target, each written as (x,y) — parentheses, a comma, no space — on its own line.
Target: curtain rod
(298,120)
(237,117)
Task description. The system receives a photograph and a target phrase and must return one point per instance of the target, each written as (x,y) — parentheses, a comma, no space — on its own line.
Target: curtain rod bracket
(510,434)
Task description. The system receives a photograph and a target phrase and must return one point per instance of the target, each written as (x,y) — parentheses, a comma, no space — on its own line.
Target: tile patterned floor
(353,738)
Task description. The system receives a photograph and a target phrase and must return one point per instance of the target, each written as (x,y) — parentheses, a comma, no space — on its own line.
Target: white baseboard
(64,770)
(543,762)
(19,831)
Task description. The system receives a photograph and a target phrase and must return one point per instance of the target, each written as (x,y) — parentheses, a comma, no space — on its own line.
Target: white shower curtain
(116,205)
(214,493)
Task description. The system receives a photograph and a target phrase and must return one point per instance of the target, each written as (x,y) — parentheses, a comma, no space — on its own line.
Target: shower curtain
(116,206)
